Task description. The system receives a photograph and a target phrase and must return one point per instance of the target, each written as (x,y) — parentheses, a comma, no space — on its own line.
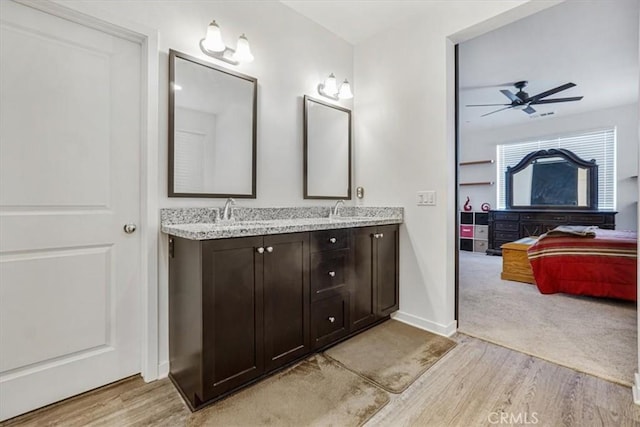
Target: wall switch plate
(426,198)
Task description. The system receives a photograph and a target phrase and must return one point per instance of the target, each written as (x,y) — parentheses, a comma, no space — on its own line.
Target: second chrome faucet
(335,212)
(227,215)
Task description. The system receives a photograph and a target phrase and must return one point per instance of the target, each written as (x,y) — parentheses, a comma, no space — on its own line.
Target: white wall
(404,142)
(481,145)
(292,55)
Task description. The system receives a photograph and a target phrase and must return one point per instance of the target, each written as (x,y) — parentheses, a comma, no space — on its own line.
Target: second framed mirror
(327,150)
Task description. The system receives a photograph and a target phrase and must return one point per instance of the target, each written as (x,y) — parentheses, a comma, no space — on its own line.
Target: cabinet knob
(332,319)
(260,250)
(377,235)
(269,249)
(381,235)
(333,240)
(332,273)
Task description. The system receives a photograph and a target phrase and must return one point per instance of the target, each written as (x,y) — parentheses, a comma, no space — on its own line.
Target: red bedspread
(601,266)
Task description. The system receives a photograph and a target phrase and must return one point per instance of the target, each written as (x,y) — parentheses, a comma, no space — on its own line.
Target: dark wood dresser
(512,224)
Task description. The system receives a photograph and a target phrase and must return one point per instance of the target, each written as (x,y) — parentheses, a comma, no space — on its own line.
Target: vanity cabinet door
(375,285)
(232,314)
(387,266)
(286,298)
(363,290)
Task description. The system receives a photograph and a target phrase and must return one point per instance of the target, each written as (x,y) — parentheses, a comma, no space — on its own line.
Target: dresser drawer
(329,320)
(506,216)
(327,240)
(587,219)
(508,236)
(328,273)
(506,226)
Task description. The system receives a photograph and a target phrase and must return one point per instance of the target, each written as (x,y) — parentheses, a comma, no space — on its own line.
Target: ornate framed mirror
(327,150)
(212,130)
(552,179)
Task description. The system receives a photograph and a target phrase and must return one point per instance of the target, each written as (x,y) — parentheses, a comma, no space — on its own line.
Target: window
(599,145)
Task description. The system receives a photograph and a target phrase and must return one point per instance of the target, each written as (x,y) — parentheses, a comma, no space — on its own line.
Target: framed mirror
(212,130)
(327,150)
(552,179)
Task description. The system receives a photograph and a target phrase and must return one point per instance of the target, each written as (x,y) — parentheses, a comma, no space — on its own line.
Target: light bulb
(330,87)
(213,40)
(345,90)
(243,51)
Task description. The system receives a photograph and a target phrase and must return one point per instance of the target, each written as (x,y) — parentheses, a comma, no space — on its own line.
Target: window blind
(599,145)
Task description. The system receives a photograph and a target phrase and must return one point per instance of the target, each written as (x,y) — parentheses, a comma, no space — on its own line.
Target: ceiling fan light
(213,40)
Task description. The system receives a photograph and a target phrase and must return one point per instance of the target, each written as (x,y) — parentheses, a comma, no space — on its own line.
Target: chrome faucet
(226,212)
(336,209)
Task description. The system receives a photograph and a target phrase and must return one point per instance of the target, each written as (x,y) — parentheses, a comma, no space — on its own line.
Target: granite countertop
(202,224)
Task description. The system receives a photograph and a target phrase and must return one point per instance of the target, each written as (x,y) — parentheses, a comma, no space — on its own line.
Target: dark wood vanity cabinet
(240,308)
(237,308)
(512,224)
(374,283)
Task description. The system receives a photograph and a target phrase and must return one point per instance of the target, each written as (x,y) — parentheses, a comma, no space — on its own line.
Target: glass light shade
(243,51)
(330,87)
(213,40)
(345,90)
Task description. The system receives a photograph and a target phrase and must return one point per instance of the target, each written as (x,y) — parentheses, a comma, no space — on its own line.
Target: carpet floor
(392,355)
(592,335)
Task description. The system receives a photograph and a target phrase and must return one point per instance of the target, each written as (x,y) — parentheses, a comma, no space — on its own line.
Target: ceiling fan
(522,101)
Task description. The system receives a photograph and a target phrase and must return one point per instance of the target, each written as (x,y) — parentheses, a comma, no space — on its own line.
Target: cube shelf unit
(474,231)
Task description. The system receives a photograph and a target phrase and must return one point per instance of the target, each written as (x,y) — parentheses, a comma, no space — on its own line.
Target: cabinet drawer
(506,226)
(481,231)
(328,273)
(504,216)
(466,231)
(327,240)
(509,237)
(329,320)
(544,217)
(480,245)
(466,218)
(587,219)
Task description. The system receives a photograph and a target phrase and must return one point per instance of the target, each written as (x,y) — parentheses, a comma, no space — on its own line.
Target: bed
(586,261)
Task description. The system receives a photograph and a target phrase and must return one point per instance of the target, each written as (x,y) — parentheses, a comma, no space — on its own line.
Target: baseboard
(636,389)
(427,325)
(163,370)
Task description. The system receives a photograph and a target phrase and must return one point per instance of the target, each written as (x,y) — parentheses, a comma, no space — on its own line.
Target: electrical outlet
(426,198)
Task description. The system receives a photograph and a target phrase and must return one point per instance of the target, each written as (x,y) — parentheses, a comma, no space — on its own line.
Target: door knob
(129,228)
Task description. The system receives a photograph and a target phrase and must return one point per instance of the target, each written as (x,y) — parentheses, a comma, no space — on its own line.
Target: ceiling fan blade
(486,105)
(550,92)
(551,101)
(502,109)
(510,95)
(529,110)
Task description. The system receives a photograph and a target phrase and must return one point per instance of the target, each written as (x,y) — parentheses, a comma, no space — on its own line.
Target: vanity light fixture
(329,89)
(213,45)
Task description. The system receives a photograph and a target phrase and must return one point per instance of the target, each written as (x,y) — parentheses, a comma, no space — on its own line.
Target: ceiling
(358,20)
(593,44)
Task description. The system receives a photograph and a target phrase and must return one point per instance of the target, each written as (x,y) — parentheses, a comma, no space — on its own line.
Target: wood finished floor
(470,386)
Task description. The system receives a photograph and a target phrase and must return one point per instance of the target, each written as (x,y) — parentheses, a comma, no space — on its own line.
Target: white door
(69,181)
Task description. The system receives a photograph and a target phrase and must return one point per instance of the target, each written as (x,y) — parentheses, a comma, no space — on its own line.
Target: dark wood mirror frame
(172,78)
(306,194)
(592,179)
